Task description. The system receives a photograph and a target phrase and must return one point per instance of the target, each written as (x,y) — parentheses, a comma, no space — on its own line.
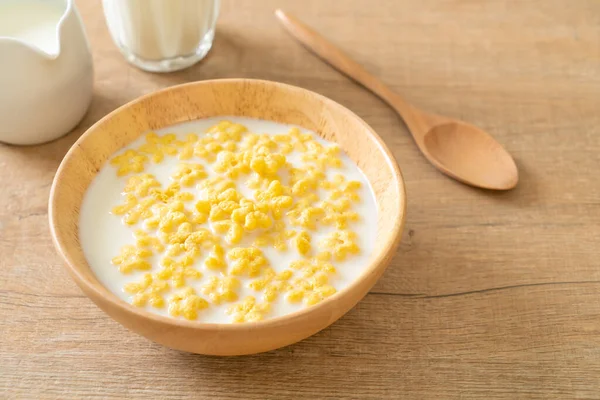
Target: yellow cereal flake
(207,149)
(171,221)
(140,210)
(221,289)
(311,290)
(143,240)
(286,148)
(276,198)
(277,237)
(178,235)
(302,243)
(202,212)
(231,164)
(303,186)
(132,259)
(323,256)
(264,162)
(322,156)
(258,182)
(177,272)
(300,139)
(249,310)
(159,146)
(175,250)
(189,240)
(254,141)
(311,266)
(186,303)
(338,213)
(216,259)
(251,216)
(337,206)
(140,185)
(134,210)
(282,138)
(187,147)
(229,130)
(306,217)
(341,244)
(281,237)
(188,174)
(272,283)
(172,192)
(233,232)
(149,290)
(130,202)
(247,261)
(228,195)
(341,220)
(128,162)
(223,204)
(197,240)
(340,188)
(305,182)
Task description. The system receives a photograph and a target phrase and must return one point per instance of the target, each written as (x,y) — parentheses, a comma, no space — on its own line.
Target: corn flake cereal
(199,241)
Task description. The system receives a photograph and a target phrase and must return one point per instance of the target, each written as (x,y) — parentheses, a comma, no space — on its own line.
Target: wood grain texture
(490,296)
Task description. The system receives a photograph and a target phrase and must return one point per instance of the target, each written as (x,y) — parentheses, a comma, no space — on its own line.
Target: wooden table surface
(491,295)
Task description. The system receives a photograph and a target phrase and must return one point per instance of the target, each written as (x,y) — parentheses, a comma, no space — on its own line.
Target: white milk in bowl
(228,220)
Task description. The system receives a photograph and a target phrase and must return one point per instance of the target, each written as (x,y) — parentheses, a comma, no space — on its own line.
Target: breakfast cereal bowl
(87,163)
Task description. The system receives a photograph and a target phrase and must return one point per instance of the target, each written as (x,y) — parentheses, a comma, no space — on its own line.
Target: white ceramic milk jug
(46,73)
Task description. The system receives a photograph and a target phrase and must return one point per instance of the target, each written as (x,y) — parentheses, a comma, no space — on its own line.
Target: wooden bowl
(239,97)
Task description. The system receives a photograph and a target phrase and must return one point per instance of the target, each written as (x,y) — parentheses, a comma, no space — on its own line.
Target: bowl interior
(240,97)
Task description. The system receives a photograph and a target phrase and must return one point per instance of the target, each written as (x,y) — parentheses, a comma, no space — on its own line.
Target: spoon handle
(336,58)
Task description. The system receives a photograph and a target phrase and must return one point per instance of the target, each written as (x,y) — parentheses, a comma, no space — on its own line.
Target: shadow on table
(303,365)
(327,362)
(523,195)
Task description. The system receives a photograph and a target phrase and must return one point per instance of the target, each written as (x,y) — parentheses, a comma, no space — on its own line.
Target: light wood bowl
(239,97)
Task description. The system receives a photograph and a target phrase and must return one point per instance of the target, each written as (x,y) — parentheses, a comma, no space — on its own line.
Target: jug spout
(35,24)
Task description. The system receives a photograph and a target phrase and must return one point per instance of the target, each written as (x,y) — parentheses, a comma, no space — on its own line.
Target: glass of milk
(162,35)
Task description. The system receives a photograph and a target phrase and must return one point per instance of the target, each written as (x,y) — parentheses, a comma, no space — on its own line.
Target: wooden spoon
(460,150)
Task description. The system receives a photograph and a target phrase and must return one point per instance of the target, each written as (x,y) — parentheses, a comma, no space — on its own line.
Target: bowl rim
(392,242)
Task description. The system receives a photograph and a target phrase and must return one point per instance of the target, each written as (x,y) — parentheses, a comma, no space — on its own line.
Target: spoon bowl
(470,155)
